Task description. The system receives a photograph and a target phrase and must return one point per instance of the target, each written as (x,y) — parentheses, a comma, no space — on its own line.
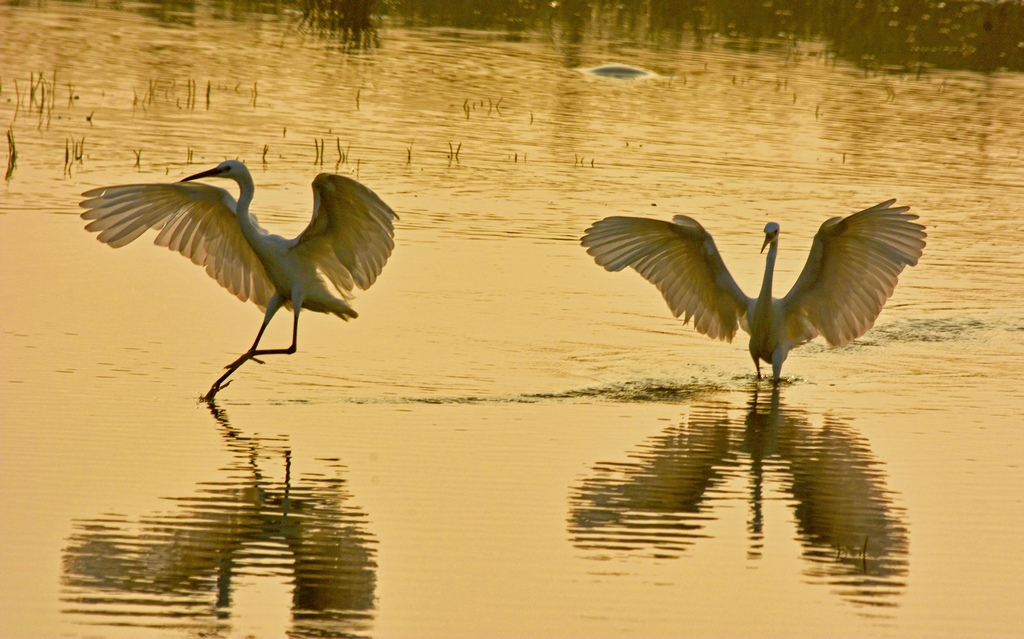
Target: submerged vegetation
(354,22)
(877,35)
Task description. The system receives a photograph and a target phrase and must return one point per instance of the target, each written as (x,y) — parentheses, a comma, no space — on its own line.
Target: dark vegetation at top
(875,34)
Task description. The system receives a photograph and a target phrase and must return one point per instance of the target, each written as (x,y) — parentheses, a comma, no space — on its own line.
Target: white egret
(346,243)
(851,272)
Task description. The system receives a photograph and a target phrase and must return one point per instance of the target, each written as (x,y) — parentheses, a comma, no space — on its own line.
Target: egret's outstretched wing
(351,235)
(197,220)
(681,259)
(851,272)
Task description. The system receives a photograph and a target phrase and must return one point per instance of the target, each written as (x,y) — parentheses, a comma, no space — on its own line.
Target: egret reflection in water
(854,536)
(177,570)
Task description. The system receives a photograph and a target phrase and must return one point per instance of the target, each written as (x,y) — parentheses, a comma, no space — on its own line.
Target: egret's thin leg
(281,351)
(273,305)
(297,298)
(252,349)
(778,357)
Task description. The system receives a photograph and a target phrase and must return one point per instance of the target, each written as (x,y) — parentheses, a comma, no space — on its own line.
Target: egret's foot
(216,388)
(251,354)
(223,381)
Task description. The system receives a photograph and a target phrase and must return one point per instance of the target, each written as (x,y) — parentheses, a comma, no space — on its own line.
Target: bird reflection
(660,500)
(658,503)
(177,569)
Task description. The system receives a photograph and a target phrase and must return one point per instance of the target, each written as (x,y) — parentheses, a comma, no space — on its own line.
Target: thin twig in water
(342,154)
(12,155)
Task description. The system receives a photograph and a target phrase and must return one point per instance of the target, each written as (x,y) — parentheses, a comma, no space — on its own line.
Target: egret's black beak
(214,172)
(767,239)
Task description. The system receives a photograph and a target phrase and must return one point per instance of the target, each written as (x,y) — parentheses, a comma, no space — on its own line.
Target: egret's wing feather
(195,219)
(681,259)
(351,235)
(851,272)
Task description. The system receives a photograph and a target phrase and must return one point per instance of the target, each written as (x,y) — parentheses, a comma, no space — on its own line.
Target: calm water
(509,441)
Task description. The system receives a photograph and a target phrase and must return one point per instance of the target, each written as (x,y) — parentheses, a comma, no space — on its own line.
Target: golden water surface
(509,441)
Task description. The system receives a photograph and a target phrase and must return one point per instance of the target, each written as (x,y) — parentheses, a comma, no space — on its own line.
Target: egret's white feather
(681,259)
(350,237)
(851,272)
(196,220)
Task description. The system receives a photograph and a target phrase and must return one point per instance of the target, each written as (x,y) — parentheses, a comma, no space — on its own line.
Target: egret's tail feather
(343,310)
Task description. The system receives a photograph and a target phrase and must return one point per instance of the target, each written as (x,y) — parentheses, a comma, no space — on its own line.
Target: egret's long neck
(769,271)
(246,191)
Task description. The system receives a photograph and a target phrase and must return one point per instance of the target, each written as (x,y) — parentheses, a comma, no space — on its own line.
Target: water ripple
(654,391)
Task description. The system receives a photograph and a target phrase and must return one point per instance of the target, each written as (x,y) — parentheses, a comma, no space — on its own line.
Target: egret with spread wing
(851,272)
(345,245)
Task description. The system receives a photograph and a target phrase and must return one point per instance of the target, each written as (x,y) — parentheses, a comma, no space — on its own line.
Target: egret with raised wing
(346,244)
(851,272)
